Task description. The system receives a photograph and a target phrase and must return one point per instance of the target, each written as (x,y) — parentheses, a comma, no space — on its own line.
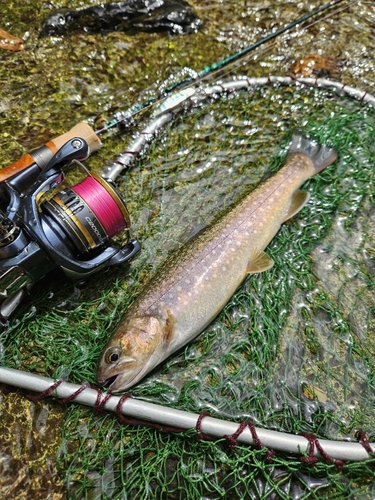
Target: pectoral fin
(169,324)
(259,262)
(299,200)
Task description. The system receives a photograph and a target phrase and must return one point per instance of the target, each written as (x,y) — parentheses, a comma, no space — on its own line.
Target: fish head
(132,351)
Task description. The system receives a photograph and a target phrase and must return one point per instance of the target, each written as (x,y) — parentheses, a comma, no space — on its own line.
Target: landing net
(292,351)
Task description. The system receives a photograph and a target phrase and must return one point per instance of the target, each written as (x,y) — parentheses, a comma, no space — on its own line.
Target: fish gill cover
(294,348)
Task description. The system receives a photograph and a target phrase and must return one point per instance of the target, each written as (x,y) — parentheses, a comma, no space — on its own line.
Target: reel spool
(88,214)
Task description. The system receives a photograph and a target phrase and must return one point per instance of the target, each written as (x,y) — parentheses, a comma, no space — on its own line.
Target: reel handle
(74,149)
(43,155)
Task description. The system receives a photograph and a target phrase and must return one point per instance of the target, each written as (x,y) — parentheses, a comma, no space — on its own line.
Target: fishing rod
(48,222)
(208,70)
(124,118)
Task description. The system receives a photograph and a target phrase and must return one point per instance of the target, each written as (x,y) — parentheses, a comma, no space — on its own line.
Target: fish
(196,282)
(133,16)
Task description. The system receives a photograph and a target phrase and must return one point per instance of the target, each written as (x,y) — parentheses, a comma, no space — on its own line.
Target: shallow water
(315,345)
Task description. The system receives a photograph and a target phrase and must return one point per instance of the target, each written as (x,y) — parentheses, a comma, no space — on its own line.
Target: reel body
(48,223)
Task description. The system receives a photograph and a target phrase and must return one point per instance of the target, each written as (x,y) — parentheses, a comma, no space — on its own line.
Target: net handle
(166,416)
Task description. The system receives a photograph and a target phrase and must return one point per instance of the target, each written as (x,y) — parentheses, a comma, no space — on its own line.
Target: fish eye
(112,355)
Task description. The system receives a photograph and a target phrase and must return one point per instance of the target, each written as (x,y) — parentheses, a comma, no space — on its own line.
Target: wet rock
(172,16)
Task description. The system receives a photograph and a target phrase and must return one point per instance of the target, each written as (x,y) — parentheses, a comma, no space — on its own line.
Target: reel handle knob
(42,155)
(74,149)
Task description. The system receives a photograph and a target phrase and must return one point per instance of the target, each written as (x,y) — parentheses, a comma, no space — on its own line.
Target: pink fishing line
(101,204)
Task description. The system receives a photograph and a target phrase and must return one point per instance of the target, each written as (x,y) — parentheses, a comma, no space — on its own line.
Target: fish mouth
(124,380)
(128,374)
(113,384)
(110,381)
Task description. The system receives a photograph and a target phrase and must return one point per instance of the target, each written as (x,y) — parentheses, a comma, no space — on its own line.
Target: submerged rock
(316,65)
(173,16)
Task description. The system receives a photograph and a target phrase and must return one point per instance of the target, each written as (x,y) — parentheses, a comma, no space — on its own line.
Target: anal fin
(259,262)
(299,200)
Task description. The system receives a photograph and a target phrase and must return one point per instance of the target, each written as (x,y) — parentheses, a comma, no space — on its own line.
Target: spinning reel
(47,222)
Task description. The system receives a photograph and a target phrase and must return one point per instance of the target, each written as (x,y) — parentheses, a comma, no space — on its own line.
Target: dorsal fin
(299,200)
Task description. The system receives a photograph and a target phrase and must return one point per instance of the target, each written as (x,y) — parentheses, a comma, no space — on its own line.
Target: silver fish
(197,281)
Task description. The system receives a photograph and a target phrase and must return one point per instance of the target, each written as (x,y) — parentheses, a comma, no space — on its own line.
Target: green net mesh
(293,350)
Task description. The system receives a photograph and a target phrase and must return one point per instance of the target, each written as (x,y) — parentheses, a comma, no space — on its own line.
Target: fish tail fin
(320,155)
